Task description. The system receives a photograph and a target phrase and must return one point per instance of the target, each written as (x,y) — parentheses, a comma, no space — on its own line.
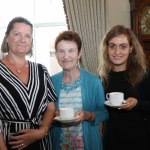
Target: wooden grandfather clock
(140,23)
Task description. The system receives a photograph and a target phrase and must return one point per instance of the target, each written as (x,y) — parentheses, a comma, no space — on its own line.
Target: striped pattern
(71,135)
(71,99)
(24,102)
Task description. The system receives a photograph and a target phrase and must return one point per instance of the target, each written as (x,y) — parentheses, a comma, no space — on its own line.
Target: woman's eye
(72,50)
(16,34)
(28,36)
(123,47)
(112,46)
(60,51)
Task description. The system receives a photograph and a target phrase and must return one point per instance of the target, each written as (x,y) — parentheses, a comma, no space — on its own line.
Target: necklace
(18,70)
(69,87)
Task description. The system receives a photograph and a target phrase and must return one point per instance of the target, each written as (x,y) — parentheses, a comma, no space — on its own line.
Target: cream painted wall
(118,12)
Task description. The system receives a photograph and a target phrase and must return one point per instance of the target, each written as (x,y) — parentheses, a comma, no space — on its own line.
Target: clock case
(137,12)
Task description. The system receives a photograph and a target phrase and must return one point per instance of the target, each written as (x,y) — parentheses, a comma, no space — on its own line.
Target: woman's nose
(117,50)
(22,38)
(66,54)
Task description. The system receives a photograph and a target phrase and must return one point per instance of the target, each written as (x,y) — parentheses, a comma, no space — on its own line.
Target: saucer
(66,120)
(115,106)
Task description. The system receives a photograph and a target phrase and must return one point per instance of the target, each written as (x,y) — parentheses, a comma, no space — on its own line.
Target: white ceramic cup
(115,98)
(66,113)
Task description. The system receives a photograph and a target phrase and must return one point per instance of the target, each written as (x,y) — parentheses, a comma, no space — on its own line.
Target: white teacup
(115,98)
(66,113)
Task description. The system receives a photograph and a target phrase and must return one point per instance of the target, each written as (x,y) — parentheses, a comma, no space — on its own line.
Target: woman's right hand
(57,112)
(27,137)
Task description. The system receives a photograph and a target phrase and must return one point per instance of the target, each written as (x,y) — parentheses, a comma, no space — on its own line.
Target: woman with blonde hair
(122,68)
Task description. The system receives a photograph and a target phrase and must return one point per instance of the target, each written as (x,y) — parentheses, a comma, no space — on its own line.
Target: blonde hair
(136,65)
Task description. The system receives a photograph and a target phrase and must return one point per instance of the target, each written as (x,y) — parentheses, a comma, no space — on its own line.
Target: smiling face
(118,52)
(67,55)
(20,39)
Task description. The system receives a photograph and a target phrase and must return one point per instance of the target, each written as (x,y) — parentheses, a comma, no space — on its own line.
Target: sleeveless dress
(22,105)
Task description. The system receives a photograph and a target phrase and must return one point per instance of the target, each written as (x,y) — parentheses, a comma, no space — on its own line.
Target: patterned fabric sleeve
(51,91)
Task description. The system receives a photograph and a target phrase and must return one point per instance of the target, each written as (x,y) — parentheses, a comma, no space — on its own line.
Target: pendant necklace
(18,70)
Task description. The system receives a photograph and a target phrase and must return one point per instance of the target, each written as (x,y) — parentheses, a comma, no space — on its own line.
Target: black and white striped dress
(22,106)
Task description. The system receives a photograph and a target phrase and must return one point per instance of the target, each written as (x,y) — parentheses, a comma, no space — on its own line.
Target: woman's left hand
(130,103)
(83,115)
(28,137)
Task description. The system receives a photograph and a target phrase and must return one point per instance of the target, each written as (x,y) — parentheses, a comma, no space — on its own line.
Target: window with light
(48,19)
